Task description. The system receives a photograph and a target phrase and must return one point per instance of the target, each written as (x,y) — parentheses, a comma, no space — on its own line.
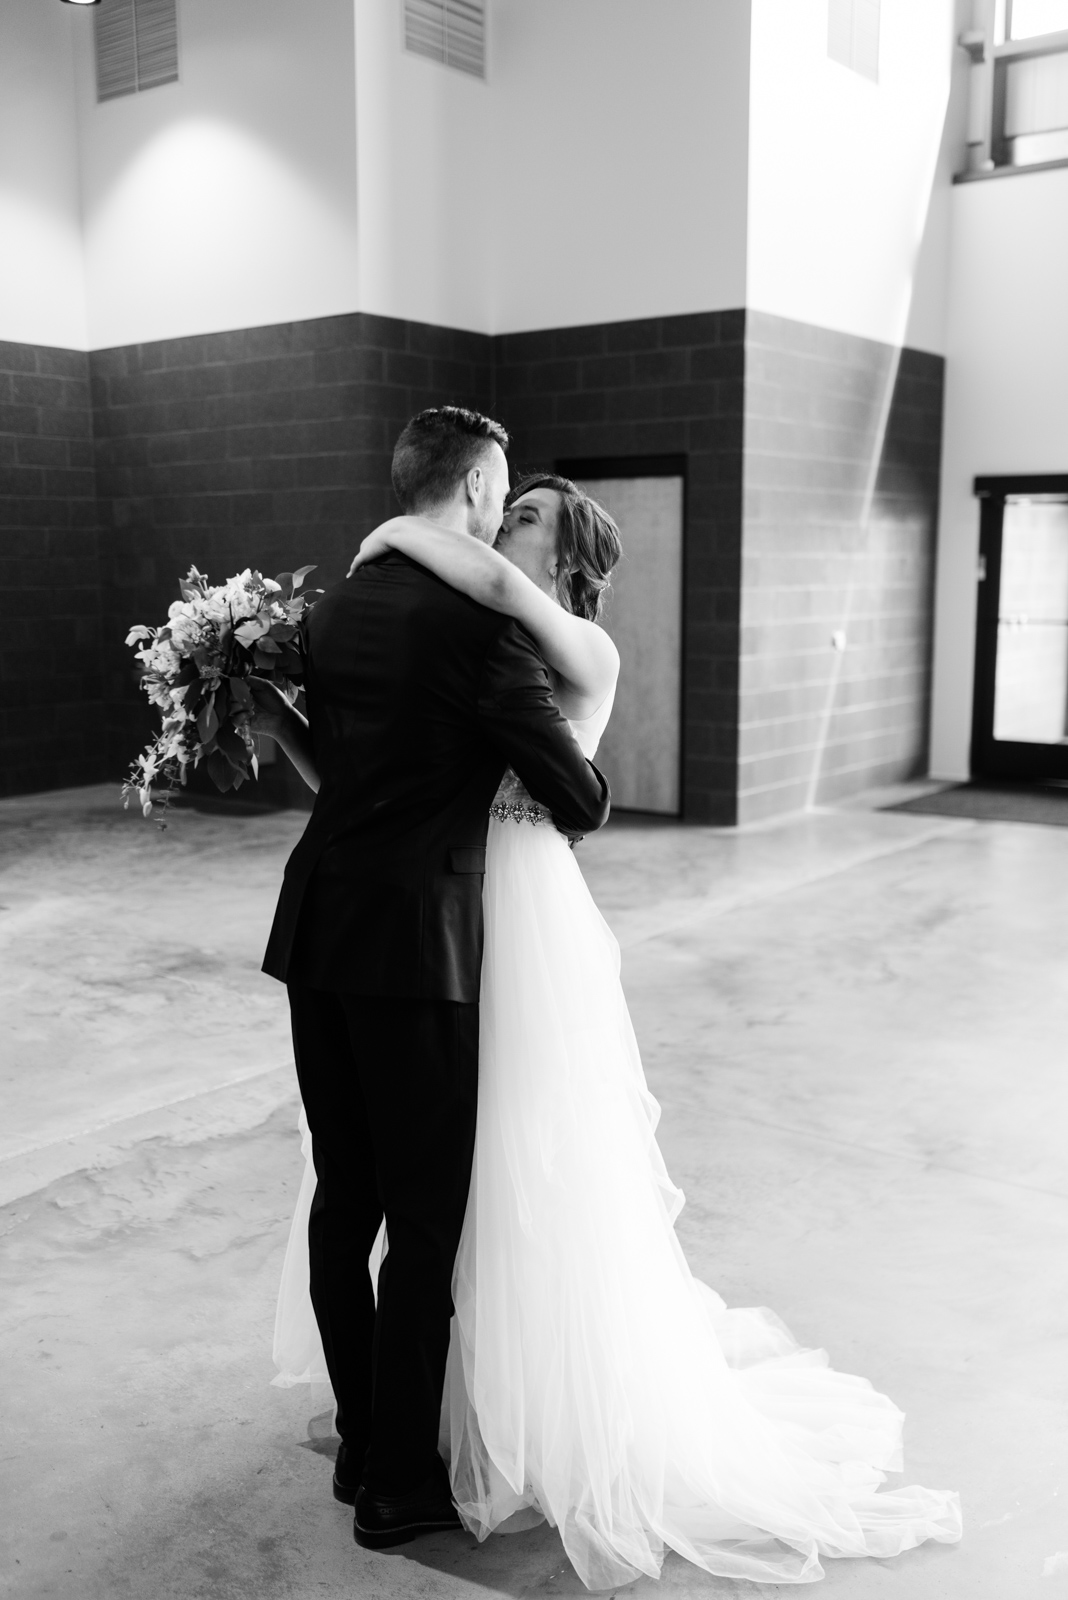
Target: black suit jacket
(417,699)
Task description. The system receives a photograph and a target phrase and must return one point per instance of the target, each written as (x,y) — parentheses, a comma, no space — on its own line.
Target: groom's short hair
(436,451)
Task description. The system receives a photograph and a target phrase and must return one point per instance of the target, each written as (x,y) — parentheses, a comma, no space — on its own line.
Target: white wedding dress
(592,1380)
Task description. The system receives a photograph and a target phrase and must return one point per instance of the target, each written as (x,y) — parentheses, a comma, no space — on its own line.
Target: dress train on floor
(592,1380)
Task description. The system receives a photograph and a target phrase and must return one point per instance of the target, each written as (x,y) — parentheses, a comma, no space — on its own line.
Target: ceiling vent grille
(136,46)
(853,35)
(450,31)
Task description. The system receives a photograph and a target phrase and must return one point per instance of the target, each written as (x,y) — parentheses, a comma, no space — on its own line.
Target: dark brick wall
(268,447)
(842,444)
(665,386)
(51,690)
(812,484)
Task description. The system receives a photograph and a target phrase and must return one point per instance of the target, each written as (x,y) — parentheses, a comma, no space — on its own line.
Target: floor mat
(991,802)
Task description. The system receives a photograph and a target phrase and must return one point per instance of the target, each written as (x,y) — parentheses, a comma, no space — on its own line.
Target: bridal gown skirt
(592,1380)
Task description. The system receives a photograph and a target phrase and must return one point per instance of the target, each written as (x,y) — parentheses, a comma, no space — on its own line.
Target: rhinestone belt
(516,811)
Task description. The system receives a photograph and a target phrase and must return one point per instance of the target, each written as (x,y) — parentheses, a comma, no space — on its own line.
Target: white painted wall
(228,199)
(598,174)
(621,128)
(305,165)
(42,299)
(427,160)
(843,171)
(1006,401)
(927,322)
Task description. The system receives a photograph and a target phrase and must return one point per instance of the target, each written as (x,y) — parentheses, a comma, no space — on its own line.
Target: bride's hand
(270,707)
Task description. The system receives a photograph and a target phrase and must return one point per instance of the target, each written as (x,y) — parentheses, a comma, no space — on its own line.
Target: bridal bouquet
(196,668)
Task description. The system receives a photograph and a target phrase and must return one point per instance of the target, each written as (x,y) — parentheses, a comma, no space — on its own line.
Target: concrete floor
(855,1022)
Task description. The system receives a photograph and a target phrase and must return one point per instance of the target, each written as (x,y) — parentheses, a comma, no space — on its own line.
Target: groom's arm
(519,715)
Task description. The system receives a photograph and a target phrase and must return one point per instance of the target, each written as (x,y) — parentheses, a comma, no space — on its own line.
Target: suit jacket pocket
(468,858)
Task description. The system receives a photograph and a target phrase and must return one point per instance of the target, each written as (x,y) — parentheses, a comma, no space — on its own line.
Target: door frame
(665,466)
(990,757)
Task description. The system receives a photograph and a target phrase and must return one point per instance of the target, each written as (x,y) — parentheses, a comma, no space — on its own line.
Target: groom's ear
(473,484)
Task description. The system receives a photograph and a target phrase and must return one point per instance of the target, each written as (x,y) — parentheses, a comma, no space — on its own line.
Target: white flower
(164,659)
(242,598)
(140,632)
(159,695)
(185,634)
(253,629)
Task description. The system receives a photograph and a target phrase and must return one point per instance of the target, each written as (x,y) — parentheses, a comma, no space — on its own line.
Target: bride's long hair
(587,544)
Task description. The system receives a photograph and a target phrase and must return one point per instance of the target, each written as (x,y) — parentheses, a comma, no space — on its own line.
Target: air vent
(136,46)
(450,31)
(853,35)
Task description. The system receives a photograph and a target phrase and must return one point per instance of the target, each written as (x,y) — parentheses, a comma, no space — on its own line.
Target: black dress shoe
(383,1520)
(347,1470)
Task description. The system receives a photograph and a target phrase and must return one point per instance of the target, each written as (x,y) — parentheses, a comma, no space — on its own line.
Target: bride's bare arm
(276,718)
(580,654)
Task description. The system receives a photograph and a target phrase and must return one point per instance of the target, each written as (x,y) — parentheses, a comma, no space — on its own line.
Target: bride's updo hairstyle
(587,544)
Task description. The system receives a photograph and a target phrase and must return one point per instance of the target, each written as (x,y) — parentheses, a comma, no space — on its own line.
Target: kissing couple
(482,1139)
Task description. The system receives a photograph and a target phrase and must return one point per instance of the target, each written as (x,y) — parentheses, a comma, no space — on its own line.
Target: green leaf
(207,721)
(232,746)
(221,771)
(300,575)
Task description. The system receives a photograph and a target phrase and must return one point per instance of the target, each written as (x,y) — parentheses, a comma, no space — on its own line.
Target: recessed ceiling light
(81,2)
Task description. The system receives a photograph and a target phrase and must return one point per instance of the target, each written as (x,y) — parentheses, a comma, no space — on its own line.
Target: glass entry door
(1021,679)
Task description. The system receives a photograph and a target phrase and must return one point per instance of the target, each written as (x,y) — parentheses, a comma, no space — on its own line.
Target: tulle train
(592,1380)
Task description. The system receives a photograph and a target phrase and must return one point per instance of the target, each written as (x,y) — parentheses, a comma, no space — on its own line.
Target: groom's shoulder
(396,584)
(395,580)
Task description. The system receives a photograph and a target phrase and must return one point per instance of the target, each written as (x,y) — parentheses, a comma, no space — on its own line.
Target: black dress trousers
(390,1089)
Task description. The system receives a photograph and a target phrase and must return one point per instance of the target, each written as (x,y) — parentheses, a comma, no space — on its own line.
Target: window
(853,35)
(136,46)
(1026,19)
(1018,114)
(450,31)
(1035,110)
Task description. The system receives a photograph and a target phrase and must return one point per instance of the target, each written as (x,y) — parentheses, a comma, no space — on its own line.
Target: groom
(418,698)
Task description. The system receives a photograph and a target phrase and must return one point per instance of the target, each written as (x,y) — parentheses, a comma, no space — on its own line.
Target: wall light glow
(205,226)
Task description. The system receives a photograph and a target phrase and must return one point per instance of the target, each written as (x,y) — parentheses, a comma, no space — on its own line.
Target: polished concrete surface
(855,1022)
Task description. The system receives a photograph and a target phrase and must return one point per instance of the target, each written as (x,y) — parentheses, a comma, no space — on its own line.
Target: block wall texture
(269,447)
(841,473)
(663,387)
(811,465)
(52,721)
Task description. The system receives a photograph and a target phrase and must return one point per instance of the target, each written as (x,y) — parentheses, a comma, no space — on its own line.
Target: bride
(592,1381)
